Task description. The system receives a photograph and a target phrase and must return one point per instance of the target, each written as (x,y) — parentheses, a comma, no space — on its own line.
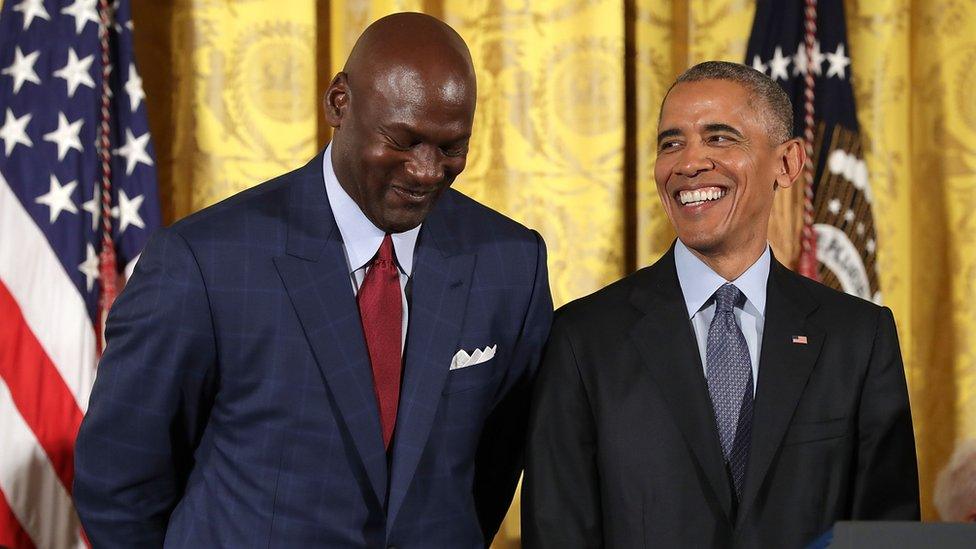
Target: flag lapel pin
(800,340)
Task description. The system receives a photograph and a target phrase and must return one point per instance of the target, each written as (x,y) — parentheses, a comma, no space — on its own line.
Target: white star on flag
(14,132)
(32,9)
(800,60)
(66,136)
(834,206)
(75,72)
(134,151)
(133,87)
(758,64)
(83,11)
(90,266)
(113,11)
(94,206)
(53,212)
(22,69)
(802,63)
(816,59)
(127,212)
(58,198)
(838,63)
(778,65)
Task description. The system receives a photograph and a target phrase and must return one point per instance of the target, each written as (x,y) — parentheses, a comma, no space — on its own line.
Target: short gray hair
(776,109)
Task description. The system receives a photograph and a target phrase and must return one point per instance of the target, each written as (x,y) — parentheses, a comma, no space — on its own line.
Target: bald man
(339,357)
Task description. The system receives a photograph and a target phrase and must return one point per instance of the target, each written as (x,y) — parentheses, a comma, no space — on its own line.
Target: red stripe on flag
(12,534)
(41,396)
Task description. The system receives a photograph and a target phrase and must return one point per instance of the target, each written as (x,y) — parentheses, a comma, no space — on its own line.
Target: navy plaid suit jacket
(234,404)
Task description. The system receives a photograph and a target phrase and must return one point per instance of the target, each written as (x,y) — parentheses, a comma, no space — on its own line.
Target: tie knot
(385,252)
(727,297)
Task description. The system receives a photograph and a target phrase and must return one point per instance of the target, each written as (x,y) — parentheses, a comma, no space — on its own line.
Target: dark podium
(899,535)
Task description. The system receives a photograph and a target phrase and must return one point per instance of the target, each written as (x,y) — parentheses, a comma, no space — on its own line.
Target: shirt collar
(698,281)
(361,239)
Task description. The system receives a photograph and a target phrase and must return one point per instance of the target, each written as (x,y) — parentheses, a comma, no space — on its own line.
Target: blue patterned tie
(730,382)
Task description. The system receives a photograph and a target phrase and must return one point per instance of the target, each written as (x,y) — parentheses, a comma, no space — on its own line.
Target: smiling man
(339,357)
(715,398)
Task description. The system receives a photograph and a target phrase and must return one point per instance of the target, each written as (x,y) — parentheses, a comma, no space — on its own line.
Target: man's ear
(337,100)
(791,156)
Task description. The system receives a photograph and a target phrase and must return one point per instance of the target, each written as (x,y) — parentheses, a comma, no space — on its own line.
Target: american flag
(802,45)
(73,144)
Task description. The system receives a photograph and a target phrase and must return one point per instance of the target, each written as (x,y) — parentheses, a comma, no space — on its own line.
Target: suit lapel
(315,274)
(784,368)
(440,284)
(667,343)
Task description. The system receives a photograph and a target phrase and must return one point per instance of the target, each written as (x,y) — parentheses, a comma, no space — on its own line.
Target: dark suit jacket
(623,447)
(234,405)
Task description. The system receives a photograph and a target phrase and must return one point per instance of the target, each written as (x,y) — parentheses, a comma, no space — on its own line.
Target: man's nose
(693,160)
(426,166)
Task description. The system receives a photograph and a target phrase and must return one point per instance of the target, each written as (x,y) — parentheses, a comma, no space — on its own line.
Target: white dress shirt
(361,239)
(698,284)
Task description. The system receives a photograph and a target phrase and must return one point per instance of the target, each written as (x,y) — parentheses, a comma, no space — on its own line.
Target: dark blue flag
(803,46)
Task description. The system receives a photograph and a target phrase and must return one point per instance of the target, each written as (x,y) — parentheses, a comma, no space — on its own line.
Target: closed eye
(393,143)
(456,150)
(396,146)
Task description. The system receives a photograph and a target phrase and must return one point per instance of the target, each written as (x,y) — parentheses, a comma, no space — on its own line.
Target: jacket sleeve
(561,492)
(886,482)
(150,402)
(500,454)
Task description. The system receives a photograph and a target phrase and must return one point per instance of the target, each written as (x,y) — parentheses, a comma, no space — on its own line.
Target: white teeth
(698,196)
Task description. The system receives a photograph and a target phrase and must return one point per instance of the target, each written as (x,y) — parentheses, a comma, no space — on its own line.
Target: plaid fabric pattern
(236,352)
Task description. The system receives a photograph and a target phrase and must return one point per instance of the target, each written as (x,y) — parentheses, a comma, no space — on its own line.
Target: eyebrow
(717,127)
(709,128)
(673,132)
(409,132)
(396,127)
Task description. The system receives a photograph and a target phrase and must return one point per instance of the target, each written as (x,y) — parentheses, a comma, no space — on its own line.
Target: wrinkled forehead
(715,97)
(702,103)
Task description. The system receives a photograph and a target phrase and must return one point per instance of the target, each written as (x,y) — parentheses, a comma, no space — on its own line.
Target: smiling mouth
(701,196)
(412,195)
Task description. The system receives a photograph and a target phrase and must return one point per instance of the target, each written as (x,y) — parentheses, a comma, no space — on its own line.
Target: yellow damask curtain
(564,137)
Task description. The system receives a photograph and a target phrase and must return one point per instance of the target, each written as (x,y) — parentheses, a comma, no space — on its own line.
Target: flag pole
(108,266)
(807,264)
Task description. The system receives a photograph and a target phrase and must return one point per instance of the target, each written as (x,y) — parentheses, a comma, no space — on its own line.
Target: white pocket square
(462,359)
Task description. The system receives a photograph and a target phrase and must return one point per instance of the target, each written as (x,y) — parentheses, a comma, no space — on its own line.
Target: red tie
(382,313)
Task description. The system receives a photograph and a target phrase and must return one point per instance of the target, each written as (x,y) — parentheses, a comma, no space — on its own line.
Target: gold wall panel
(565,131)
